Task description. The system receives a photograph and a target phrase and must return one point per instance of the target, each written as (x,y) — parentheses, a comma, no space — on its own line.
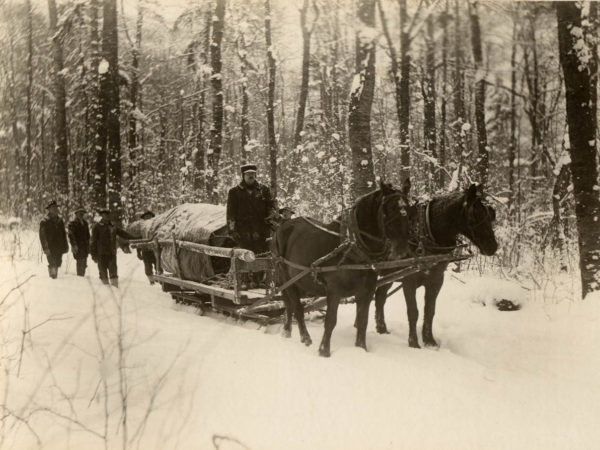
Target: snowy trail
(525,379)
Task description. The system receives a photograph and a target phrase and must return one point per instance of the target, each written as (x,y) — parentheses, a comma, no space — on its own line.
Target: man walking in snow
(53,238)
(79,238)
(103,247)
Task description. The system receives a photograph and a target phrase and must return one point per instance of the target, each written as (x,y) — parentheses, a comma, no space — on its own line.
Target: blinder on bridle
(478,213)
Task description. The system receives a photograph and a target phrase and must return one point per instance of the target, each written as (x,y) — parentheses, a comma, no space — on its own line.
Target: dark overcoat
(79,237)
(53,236)
(248,209)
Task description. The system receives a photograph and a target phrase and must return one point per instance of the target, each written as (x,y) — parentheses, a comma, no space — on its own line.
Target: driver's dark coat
(248,209)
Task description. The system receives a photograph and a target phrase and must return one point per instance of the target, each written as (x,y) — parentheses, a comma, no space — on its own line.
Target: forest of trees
(131,105)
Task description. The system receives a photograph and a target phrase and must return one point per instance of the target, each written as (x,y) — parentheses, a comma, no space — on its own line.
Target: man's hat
(80,209)
(148,214)
(285,208)
(103,211)
(248,168)
(51,204)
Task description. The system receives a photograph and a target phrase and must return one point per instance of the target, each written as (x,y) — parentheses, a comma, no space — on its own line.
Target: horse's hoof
(413,343)
(286,333)
(430,342)
(382,330)
(306,340)
(361,343)
(324,352)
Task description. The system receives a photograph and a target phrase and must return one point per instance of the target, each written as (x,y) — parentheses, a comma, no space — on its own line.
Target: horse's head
(394,214)
(478,219)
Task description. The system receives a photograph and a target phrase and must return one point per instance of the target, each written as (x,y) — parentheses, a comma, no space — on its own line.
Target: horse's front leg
(410,295)
(433,284)
(330,322)
(380,298)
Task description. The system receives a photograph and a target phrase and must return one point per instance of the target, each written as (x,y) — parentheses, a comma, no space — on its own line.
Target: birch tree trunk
(361,101)
(216,131)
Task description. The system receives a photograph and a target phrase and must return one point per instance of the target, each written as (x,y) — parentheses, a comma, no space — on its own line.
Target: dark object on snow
(53,238)
(248,210)
(507,305)
(434,230)
(79,238)
(379,225)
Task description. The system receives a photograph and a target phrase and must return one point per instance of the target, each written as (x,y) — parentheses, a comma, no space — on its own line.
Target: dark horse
(379,224)
(434,229)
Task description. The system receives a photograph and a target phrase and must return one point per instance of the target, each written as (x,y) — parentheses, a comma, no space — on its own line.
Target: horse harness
(352,239)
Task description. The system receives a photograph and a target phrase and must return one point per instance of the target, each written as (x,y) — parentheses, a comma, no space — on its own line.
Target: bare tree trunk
(459,103)
(533,110)
(271,100)
(429,99)
(96,112)
(444,138)
(580,85)
(199,164)
(245,66)
(404,106)
(42,162)
(60,111)
(216,131)
(306,36)
(513,118)
(483,156)
(29,124)
(133,140)
(400,70)
(559,192)
(109,98)
(361,101)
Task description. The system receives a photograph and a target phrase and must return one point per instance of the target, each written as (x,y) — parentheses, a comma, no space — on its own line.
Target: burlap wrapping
(194,222)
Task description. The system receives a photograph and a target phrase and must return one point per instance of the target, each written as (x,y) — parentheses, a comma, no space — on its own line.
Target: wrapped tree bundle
(199,223)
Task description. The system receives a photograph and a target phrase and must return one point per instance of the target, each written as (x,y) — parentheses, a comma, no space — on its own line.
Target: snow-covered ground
(77,357)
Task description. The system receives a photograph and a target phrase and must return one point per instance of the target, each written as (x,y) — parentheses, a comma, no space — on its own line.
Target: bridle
(468,214)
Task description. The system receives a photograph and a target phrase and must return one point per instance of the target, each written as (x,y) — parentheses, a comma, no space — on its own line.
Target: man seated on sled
(250,210)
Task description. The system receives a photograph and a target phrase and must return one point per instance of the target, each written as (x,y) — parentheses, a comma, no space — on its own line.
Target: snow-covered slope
(521,379)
